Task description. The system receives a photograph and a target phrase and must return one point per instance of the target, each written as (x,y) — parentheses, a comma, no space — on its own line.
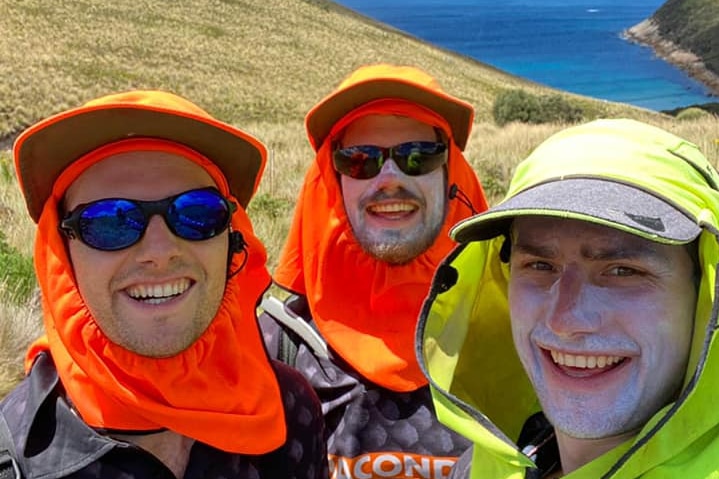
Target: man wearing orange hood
(152,365)
(388,181)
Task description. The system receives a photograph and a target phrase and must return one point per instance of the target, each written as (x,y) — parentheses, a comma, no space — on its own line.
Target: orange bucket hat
(45,149)
(382,81)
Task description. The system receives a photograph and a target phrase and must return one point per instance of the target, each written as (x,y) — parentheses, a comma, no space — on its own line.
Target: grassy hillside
(245,61)
(258,64)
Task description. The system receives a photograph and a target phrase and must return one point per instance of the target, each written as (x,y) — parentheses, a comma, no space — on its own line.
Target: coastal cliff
(686,34)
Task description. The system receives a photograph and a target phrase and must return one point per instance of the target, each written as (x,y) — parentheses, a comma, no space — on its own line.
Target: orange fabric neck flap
(366,309)
(222,390)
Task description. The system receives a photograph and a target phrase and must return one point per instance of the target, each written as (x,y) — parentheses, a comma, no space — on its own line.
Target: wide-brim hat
(374,82)
(46,148)
(619,173)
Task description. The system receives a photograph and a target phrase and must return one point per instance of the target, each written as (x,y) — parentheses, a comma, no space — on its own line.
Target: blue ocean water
(573,45)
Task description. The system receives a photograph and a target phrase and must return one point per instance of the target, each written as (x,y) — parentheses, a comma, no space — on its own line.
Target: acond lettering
(390,465)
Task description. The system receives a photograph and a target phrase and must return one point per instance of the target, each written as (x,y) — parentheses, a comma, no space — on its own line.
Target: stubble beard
(398,247)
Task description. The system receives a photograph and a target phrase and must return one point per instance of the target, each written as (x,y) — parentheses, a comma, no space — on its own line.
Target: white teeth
(392,208)
(584,362)
(157,293)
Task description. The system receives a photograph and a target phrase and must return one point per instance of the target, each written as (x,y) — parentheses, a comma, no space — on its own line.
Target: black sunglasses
(414,158)
(115,223)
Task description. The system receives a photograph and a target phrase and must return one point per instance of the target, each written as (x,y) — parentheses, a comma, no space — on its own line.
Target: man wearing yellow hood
(388,180)
(152,364)
(573,333)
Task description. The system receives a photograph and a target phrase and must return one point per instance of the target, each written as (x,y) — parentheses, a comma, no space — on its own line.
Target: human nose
(158,245)
(389,174)
(574,305)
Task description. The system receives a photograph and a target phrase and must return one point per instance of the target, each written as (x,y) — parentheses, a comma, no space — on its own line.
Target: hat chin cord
(455,193)
(237,244)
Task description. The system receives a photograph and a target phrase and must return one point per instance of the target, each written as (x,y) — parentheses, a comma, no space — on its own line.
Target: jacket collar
(52,441)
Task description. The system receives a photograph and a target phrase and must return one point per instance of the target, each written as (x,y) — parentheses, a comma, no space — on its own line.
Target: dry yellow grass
(20,324)
(259,65)
(264,61)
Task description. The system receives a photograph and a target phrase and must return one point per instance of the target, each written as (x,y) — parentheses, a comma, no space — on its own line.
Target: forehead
(564,234)
(144,175)
(386,130)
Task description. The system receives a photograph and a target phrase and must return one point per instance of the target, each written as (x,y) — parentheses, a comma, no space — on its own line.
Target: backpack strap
(9,467)
(287,345)
(293,323)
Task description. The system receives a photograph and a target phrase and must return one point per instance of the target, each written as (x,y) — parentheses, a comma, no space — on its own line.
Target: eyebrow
(637,250)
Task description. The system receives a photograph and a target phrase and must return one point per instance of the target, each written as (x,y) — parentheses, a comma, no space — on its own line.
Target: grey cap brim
(598,201)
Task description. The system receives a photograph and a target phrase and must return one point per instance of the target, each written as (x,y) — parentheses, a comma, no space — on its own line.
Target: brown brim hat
(374,82)
(45,149)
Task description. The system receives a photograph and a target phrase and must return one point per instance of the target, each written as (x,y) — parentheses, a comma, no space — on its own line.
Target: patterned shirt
(372,432)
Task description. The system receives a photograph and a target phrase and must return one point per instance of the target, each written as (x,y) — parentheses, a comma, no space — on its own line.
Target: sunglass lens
(414,158)
(420,157)
(111,224)
(198,214)
(359,162)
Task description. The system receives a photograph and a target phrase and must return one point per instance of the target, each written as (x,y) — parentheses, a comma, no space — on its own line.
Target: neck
(172,449)
(574,453)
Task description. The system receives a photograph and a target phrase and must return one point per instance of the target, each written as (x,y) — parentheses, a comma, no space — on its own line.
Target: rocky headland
(647,33)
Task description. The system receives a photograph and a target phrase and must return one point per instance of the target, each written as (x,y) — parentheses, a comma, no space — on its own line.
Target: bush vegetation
(694,25)
(525,107)
(691,114)
(17,275)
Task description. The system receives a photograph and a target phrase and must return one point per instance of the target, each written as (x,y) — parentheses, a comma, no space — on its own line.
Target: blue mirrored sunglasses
(414,158)
(112,224)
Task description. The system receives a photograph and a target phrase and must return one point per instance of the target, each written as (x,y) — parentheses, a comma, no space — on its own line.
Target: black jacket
(52,442)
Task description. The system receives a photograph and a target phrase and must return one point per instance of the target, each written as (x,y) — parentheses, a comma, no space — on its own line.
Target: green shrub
(692,113)
(524,107)
(17,275)
(556,109)
(516,105)
(7,173)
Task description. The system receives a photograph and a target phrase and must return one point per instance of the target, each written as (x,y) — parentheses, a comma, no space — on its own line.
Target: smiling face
(602,321)
(159,295)
(394,216)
